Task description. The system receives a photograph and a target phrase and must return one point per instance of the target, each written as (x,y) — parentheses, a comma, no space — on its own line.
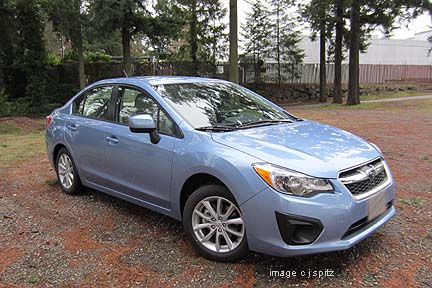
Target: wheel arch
(194,182)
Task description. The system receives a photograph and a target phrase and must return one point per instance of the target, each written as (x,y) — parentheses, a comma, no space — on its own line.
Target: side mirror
(144,124)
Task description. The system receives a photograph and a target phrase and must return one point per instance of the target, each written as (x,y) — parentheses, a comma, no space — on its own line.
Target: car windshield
(223,105)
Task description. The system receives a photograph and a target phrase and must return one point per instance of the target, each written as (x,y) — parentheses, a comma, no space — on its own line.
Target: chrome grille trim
(365,179)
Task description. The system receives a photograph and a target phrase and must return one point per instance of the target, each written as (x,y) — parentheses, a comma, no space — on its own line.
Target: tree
(233,42)
(67,18)
(339,31)
(214,37)
(22,51)
(317,13)
(366,16)
(168,21)
(130,17)
(286,51)
(205,40)
(257,33)
(354,55)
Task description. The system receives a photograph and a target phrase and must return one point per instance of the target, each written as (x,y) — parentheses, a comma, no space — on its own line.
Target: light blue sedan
(239,172)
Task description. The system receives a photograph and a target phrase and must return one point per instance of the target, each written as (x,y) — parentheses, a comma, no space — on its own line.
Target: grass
(343,106)
(413,201)
(422,105)
(16,144)
(390,95)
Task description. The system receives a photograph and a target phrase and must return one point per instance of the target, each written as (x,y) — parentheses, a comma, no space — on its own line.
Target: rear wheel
(214,223)
(67,174)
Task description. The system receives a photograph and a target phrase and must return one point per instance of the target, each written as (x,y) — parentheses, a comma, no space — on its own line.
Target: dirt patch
(25,124)
(50,239)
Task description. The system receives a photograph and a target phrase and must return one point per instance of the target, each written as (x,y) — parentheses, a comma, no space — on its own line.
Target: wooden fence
(309,73)
(369,74)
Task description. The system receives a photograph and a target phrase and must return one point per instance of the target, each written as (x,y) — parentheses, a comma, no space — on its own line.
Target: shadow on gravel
(176,252)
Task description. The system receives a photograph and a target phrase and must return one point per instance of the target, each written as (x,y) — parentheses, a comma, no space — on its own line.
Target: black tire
(241,251)
(76,186)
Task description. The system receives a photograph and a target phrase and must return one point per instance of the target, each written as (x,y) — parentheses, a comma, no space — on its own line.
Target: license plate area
(377,205)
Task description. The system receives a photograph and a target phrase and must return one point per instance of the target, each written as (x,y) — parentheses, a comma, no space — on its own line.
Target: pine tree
(214,37)
(285,50)
(257,32)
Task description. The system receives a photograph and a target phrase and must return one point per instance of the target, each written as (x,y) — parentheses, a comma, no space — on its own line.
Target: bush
(94,57)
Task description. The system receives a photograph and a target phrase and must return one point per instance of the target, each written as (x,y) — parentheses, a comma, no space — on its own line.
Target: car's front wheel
(214,223)
(67,173)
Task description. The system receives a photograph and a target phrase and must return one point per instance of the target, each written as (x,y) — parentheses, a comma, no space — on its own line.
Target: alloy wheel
(217,224)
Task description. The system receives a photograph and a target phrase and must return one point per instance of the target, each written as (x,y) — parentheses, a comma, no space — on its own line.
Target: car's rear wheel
(67,174)
(214,223)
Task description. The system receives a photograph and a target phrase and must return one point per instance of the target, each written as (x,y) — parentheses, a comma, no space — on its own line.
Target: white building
(412,51)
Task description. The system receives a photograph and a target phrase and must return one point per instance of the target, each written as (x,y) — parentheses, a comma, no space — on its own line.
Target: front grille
(364,178)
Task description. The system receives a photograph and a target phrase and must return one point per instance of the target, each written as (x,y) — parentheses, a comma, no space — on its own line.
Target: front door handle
(112,139)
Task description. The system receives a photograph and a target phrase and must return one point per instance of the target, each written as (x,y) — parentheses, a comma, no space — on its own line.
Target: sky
(420,24)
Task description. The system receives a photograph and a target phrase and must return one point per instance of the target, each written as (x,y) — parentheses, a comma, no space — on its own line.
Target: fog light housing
(298,230)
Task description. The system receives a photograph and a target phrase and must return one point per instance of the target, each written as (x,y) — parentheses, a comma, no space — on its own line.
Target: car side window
(94,103)
(134,102)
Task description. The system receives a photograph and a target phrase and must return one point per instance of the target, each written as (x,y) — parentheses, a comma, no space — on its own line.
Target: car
(241,173)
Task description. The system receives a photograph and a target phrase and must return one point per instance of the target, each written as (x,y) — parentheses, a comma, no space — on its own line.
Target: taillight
(48,121)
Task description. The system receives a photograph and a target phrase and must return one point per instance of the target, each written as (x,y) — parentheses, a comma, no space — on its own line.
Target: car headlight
(291,182)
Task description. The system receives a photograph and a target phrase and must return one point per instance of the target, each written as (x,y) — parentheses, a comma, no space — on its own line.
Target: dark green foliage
(257,33)
(204,40)
(286,50)
(23,54)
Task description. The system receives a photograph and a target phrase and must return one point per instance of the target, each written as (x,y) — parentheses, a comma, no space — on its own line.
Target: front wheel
(214,223)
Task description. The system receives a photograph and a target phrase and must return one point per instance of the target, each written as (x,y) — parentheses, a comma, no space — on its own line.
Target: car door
(86,131)
(138,167)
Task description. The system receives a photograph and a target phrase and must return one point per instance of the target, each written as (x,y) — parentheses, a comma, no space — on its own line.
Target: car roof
(157,80)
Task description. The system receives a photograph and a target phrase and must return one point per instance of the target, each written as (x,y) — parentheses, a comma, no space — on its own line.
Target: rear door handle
(112,139)
(72,127)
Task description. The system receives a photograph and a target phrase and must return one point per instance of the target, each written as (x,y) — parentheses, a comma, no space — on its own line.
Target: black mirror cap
(154,135)
(141,130)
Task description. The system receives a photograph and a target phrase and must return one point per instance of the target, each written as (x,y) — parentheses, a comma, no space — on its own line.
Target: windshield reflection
(217,104)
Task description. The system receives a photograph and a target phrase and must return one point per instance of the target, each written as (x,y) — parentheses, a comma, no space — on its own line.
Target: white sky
(420,24)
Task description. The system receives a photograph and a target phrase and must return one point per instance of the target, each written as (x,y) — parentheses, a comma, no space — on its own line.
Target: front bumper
(343,219)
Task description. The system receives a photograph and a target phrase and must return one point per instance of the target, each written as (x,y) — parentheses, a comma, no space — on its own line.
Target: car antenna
(124,72)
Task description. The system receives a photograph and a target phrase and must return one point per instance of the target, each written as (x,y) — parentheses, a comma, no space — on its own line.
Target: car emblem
(372,172)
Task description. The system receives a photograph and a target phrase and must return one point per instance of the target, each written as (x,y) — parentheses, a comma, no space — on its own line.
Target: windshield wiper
(217,128)
(268,121)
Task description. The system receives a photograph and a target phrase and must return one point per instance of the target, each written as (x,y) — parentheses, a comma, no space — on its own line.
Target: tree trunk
(81,71)
(127,61)
(233,39)
(323,74)
(194,39)
(79,44)
(337,93)
(354,56)
(278,45)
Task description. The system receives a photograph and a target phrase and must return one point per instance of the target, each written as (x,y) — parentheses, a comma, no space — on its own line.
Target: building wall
(382,51)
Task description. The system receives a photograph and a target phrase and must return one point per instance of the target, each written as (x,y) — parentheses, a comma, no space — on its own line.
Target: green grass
(390,95)
(343,106)
(16,144)
(413,201)
(6,128)
(420,105)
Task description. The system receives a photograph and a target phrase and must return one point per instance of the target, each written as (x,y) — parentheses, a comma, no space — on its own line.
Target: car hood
(306,146)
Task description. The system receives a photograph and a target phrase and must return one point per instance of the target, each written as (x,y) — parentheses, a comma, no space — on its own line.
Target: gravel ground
(49,239)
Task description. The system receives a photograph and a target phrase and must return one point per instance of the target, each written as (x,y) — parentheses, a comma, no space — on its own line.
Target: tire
(196,214)
(65,167)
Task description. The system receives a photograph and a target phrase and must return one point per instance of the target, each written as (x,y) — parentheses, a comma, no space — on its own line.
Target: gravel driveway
(49,239)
